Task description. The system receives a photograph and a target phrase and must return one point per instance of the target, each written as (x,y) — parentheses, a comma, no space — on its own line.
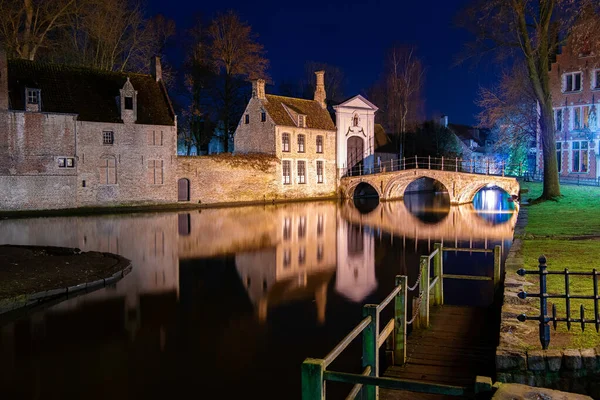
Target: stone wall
(30,192)
(573,370)
(256,136)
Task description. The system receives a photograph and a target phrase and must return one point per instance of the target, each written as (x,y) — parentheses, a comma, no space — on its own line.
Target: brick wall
(255,136)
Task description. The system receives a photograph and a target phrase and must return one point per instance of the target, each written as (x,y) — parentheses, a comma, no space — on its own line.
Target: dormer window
(302,121)
(129,103)
(34,99)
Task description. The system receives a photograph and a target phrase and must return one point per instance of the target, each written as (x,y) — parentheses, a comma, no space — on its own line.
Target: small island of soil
(25,270)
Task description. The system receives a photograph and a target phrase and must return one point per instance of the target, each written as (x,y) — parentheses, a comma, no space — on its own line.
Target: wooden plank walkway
(458,345)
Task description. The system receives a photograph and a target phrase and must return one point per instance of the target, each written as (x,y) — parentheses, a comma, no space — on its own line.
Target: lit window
(572,81)
(108,138)
(287,169)
(300,143)
(129,103)
(319,171)
(581,117)
(301,171)
(319,144)
(33,96)
(285,142)
(579,156)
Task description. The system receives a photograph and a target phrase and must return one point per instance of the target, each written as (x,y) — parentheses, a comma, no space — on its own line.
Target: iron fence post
(442,163)
(438,270)
(456,164)
(424,286)
(313,386)
(370,351)
(416,162)
(429,162)
(497,265)
(400,321)
(544,327)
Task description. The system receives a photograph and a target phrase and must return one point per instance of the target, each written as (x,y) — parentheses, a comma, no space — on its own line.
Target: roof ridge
(288,97)
(75,67)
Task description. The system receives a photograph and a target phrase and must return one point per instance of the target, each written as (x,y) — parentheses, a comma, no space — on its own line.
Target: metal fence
(543,295)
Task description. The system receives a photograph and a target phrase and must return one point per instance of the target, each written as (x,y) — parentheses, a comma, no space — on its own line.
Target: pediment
(358,102)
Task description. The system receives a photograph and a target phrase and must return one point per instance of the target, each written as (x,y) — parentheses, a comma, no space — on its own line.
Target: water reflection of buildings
(355,277)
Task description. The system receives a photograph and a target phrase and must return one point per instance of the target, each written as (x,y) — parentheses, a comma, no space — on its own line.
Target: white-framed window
(302,121)
(155,172)
(572,82)
(66,162)
(301,142)
(596,79)
(319,143)
(108,138)
(581,117)
(558,119)
(108,170)
(579,156)
(301,172)
(33,96)
(285,142)
(319,171)
(286,166)
(559,156)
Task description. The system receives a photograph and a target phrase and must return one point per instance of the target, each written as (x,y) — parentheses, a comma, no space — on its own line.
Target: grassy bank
(567,232)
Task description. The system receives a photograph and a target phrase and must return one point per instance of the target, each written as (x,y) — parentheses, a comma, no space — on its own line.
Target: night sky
(354,36)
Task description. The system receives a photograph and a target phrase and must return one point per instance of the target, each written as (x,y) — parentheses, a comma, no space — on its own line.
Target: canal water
(227,303)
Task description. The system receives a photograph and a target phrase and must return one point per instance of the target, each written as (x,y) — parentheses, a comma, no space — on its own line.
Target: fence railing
(430,291)
(543,295)
(564,180)
(438,163)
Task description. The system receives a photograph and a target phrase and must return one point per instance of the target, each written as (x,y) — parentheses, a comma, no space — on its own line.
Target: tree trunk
(551,182)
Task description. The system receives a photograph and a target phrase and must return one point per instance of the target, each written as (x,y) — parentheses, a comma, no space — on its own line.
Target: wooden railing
(315,371)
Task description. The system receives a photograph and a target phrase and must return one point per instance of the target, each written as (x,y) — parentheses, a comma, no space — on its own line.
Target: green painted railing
(431,292)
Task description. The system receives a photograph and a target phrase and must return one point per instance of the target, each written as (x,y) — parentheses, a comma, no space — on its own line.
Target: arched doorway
(355,147)
(183,189)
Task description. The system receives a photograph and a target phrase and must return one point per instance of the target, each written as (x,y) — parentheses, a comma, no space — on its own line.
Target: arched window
(108,170)
(355,120)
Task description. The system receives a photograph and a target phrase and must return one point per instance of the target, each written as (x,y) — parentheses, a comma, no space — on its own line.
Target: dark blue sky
(355,36)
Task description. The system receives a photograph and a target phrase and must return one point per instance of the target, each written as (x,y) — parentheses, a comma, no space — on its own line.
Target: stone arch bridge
(461,186)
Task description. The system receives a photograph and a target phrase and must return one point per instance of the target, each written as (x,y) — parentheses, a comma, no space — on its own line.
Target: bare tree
(530,30)
(26,26)
(237,56)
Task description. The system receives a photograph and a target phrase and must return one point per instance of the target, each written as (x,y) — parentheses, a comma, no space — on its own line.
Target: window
(287,228)
(302,227)
(320,252)
(108,171)
(263,116)
(355,120)
(581,117)
(580,156)
(247,118)
(319,144)
(155,172)
(66,162)
(320,225)
(301,171)
(319,171)
(155,138)
(33,96)
(558,119)
(285,142)
(287,257)
(572,82)
(559,155)
(597,79)
(129,103)
(287,169)
(300,143)
(301,256)
(108,138)
(301,121)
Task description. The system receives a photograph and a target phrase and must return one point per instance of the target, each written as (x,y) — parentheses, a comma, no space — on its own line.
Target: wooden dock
(458,345)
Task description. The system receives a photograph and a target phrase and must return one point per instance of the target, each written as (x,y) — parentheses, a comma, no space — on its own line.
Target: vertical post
(488,166)
(442,163)
(456,164)
(424,286)
(313,386)
(404,161)
(497,264)
(438,270)
(429,162)
(503,166)
(416,162)
(370,351)
(544,327)
(400,321)
(359,170)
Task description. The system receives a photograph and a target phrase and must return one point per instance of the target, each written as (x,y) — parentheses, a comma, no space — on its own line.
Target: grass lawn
(567,232)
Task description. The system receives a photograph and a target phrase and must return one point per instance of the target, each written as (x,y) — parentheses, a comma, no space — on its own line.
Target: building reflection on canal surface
(227,302)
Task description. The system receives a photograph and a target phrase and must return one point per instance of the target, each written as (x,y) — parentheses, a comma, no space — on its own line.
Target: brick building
(575,83)
(298,132)
(74,136)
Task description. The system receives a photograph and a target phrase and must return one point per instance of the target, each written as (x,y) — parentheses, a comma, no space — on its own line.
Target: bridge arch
(469,191)
(351,189)
(396,187)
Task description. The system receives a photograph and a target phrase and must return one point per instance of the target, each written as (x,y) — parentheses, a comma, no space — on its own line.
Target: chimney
(258,89)
(156,68)
(444,121)
(3,80)
(320,88)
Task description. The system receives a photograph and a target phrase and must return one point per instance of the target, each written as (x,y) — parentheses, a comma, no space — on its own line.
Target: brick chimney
(258,89)
(156,68)
(320,88)
(3,80)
